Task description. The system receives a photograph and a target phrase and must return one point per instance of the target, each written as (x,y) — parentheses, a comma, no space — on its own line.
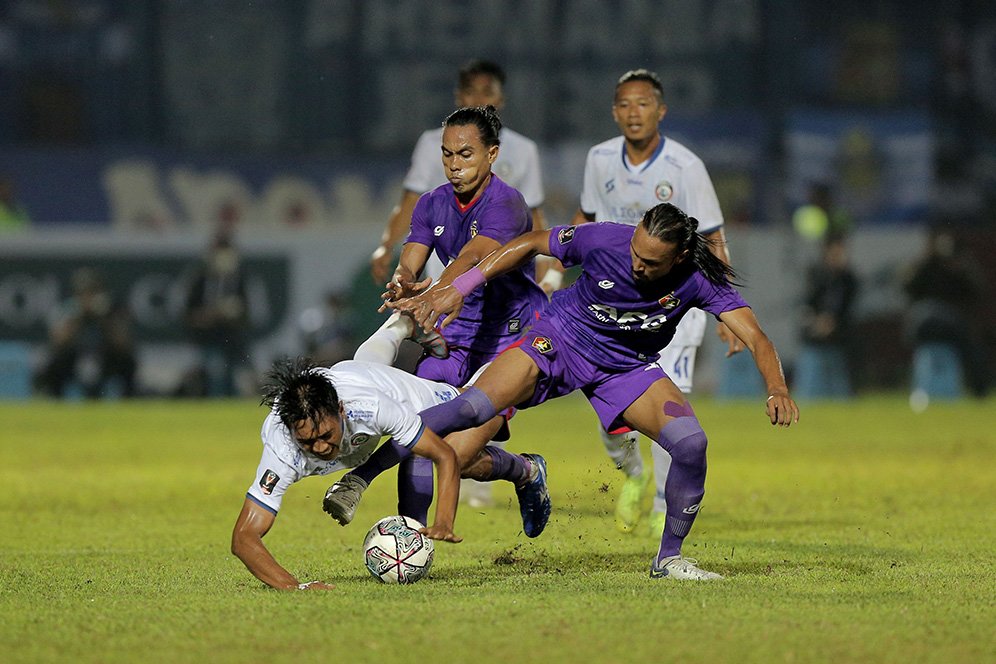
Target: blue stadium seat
(937,371)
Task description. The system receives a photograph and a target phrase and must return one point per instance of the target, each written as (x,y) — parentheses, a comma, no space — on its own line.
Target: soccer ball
(396,552)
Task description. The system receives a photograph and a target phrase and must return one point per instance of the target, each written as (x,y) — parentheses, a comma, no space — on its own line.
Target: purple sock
(415,488)
(472,408)
(686,442)
(506,466)
(388,455)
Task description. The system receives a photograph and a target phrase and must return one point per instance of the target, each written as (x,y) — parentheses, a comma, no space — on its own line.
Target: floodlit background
(132,131)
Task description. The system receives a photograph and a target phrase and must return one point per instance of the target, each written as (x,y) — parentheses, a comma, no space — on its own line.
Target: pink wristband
(468,281)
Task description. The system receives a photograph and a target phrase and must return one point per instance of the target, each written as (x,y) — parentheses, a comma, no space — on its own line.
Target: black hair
(643,75)
(297,392)
(485,118)
(478,67)
(669,223)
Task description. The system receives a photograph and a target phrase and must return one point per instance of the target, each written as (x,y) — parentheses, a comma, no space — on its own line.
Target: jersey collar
(642,167)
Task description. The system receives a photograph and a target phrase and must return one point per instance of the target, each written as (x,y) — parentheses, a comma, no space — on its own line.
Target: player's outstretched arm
(404,282)
(781,408)
(397,227)
(719,247)
(247,544)
(432,447)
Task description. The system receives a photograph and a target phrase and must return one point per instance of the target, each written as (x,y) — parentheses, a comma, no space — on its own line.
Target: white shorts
(678,358)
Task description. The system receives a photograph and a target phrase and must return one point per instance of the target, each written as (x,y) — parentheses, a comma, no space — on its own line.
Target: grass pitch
(863,534)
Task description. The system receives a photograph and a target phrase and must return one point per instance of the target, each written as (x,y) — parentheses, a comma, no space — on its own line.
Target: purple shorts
(564,369)
(456,369)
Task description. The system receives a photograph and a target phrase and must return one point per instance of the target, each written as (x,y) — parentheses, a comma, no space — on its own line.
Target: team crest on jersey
(473,229)
(513,325)
(669,301)
(565,235)
(542,344)
(268,481)
(664,191)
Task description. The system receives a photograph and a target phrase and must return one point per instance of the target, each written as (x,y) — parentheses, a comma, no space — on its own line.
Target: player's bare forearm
(247,545)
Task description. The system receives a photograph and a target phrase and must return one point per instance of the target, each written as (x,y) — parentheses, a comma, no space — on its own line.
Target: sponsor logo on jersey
(565,235)
(356,414)
(542,344)
(669,301)
(610,185)
(513,325)
(268,481)
(473,229)
(438,230)
(605,284)
(664,191)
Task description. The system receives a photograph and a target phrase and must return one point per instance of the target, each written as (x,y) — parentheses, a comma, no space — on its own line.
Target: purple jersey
(496,314)
(606,314)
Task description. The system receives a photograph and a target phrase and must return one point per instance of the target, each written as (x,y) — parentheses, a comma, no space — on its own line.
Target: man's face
(466,160)
(321,438)
(481,90)
(638,110)
(652,258)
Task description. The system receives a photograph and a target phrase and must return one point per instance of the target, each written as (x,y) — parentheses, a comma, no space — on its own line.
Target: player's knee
(685,441)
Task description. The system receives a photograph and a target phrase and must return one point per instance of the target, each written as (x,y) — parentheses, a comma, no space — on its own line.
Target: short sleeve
(421,230)
(426,170)
(567,243)
(398,421)
(273,477)
(589,202)
(531,186)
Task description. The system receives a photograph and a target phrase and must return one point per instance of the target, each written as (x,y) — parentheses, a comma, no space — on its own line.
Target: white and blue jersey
(615,190)
(378,401)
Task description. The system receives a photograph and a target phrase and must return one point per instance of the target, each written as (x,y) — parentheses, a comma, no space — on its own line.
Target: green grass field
(864,534)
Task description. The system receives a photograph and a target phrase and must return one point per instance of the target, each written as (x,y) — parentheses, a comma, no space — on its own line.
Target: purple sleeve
(568,243)
(717,299)
(421,230)
(505,221)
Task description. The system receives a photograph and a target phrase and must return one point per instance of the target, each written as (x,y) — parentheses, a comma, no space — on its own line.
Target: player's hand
(380,263)
(430,305)
(732,341)
(400,288)
(443,533)
(315,585)
(782,410)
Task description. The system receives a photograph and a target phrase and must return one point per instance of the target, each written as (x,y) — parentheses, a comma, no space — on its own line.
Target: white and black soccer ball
(396,552)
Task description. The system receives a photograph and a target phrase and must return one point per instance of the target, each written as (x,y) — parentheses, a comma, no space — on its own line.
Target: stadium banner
(878,165)
(152,287)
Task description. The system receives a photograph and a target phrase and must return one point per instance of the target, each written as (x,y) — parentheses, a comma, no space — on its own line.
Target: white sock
(382,346)
(662,463)
(624,450)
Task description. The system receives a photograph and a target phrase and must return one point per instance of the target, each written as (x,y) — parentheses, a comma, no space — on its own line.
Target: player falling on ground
(462,222)
(602,336)
(623,178)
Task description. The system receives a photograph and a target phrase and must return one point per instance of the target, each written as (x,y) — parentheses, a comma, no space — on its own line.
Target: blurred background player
(479,83)
(623,178)
(462,221)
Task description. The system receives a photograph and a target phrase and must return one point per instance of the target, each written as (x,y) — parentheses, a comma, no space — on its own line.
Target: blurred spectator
(13,215)
(824,364)
(217,317)
(944,292)
(327,331)
(91,351)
